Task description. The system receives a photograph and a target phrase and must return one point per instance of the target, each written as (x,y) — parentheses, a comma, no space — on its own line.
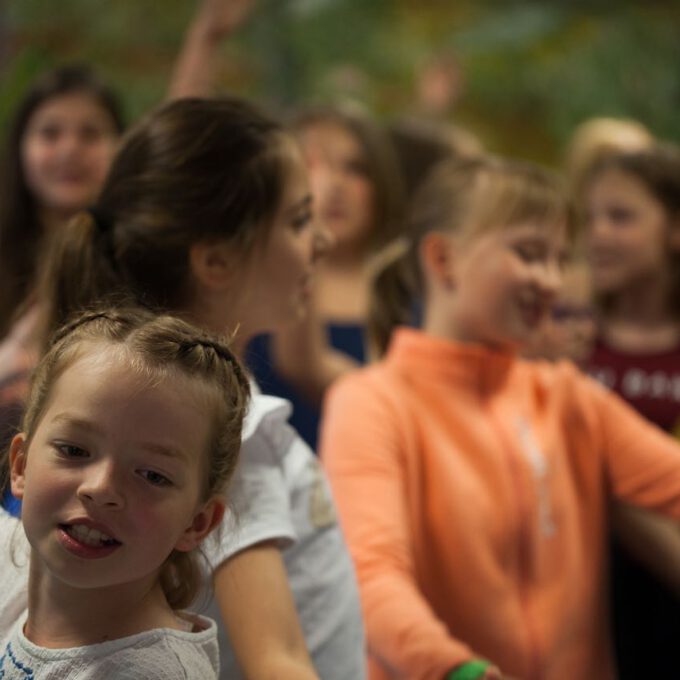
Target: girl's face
(66,151)
(111,480)
(505,284)
(628,232)
(343,193)
(569,332)
(277,283)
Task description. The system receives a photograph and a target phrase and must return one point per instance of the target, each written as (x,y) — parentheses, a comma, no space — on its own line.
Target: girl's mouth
(88,536)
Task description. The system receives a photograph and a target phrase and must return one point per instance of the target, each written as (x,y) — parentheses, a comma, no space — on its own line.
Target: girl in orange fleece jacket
(474,487)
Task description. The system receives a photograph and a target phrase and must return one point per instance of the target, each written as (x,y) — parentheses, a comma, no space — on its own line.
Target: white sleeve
(258,497)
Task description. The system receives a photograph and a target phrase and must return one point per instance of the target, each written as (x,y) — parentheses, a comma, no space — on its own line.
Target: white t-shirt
(14,558)
(159,654)
(280,493)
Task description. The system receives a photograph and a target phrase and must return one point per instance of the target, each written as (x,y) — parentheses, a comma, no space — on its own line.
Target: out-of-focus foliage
(532,70)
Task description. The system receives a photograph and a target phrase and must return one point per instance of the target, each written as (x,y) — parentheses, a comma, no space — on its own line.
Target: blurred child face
(569,331)
(112,478)
(628,232)
(277,284)
(343,193)
(66,151)
(506,281)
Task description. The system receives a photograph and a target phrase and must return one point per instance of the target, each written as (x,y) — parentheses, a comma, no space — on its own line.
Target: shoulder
(365,385)
(193,654)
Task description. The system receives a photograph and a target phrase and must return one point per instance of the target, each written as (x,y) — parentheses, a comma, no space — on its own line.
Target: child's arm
(303,355)
(259,613)
(651,539)
(642,462)
(195,70)
(363,446)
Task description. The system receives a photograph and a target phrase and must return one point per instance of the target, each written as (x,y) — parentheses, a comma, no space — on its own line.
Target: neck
(61,616)
(204,314)
(348,258)
(646,303)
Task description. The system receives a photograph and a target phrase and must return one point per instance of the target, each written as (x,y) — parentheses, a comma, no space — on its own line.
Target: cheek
(41,500)
(362,195)
(34,157)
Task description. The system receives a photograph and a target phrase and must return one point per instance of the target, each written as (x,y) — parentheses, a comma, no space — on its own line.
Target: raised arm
(195,70)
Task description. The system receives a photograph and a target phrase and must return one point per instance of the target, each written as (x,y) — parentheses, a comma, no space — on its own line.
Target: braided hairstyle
(157,346)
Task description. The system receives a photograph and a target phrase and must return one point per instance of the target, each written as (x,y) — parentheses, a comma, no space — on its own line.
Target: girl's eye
(49,133)
(620,215)
(302,220)
(528,254)
(155,478)
(71,451)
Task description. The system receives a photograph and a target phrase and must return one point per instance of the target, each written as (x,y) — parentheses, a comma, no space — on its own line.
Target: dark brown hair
(382,165)
(194,170)
(155,347)
(21,232)
(469,197)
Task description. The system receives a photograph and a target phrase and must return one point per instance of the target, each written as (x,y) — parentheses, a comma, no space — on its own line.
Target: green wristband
(471,670)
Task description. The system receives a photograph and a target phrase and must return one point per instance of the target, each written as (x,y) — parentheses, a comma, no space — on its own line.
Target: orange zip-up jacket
(473,488)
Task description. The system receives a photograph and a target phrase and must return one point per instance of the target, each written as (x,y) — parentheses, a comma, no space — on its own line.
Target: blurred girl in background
(631,204)
(358,199)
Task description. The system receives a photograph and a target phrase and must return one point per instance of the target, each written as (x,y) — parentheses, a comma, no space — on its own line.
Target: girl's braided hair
(158,346)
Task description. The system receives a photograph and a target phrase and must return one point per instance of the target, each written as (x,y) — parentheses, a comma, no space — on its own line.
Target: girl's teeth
(89,536)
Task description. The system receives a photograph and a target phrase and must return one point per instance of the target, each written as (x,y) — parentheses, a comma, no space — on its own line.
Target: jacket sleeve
(642,462)
(365,449)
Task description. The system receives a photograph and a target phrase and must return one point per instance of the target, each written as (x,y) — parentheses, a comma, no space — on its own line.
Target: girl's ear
(17,465)
(437,257)
(205,520)
(212,264)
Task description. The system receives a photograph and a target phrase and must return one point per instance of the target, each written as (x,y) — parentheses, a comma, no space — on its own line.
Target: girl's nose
(598,228)
(550,279)
(101,486)
(324,240)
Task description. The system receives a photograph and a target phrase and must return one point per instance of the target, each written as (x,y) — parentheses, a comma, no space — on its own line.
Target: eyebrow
(89,426)
(166,451)
(80,423)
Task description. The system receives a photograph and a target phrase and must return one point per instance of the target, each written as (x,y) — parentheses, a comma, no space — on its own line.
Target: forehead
(327,140)
(296,179)
(105,373)
(617,182)
(71,106)
(550,232)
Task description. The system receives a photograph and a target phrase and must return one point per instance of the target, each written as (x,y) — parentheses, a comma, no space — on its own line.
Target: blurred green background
(530,71)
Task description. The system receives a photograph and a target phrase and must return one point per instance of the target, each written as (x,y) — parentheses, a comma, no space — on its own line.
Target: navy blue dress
(347,338)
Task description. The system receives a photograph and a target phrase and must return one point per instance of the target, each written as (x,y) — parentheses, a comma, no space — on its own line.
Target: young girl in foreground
(474,486)
(131,431)
(206,211)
